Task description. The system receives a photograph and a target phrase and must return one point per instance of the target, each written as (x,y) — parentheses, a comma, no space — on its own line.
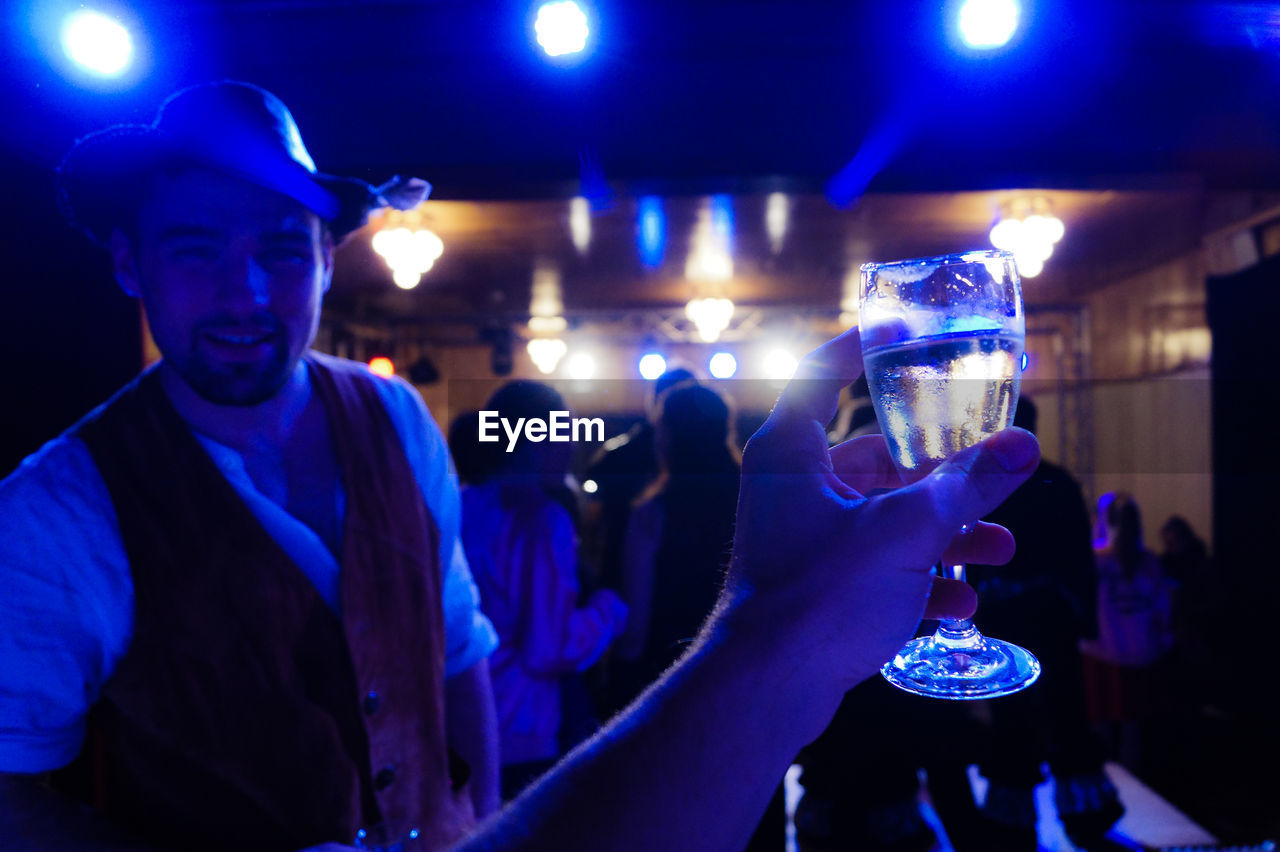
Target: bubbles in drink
(938,395)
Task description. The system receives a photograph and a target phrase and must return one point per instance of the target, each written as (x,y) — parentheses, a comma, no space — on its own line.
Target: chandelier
(710,315)
(408,247)
(1028,228)
(546,352)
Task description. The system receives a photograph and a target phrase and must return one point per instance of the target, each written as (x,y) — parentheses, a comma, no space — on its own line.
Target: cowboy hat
(233,127)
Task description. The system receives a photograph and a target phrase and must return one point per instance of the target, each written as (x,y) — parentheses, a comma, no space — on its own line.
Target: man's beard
(240,384)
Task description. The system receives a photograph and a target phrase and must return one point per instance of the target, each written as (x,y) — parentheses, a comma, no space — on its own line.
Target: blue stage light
(723,365)
(561,28)
(988,24)
(652,365)
(651,231)
(97,43)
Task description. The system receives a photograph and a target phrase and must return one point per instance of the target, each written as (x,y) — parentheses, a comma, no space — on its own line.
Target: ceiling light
(780,365)
(711,316)
(723,365)
(97,43)
(410,252)
(546,352)
(987,24)
(581,366)
(652,365)
(561,28)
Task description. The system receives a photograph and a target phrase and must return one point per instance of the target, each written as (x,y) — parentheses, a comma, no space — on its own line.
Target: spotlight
(723,365)
(780,365)
(382,366)
(581,366)
(652,365)
(988,24)
(561,28)
(97,43)
(590,486)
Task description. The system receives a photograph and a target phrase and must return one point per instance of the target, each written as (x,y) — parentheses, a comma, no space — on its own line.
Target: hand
(614,608)
(844,578)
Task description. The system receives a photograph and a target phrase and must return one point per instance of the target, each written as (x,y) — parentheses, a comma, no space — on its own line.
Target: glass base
(961,664)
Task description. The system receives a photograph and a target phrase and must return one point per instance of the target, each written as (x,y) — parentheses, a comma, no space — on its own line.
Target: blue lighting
(652,365)
(722,220)
(651,231)
(97,43)
(561,28)
(988,24)
(723,365)
(1026,359)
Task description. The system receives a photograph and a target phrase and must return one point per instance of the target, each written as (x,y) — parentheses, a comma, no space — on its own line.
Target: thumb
(970,484)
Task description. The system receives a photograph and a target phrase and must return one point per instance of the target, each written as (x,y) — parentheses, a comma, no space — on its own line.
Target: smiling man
(235,597)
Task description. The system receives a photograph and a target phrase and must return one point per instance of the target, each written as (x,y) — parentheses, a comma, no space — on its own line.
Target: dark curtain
(1244,316)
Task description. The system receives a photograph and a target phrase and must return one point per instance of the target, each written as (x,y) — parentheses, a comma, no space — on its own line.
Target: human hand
(844,579)
(614,609)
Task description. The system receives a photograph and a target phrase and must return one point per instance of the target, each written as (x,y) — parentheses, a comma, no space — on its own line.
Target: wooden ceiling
(491,249)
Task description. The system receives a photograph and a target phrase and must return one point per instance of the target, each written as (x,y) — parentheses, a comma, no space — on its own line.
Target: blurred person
(863,793)
(522,545)
(1042,599)
(1183,554)
(677,548)
(1134,606)
(622,469)
(236,589)
(471,458)
(681,529)
(1199,607)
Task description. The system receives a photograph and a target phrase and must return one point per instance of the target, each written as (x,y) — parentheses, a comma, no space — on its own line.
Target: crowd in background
(595,594)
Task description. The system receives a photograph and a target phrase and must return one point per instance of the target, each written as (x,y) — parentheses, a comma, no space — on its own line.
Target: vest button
(371,703)
(383,779)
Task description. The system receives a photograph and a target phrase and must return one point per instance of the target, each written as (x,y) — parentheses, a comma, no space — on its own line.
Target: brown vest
(245,713)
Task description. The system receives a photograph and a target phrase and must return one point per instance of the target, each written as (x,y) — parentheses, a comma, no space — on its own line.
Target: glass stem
(955,629)
(957,632)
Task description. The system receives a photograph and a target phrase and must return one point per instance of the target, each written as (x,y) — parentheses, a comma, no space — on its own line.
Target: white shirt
(66,591)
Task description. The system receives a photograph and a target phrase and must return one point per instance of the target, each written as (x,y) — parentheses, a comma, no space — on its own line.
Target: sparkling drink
(942,343)
(935,396)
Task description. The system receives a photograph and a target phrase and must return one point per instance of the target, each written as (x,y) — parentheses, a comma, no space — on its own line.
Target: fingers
(864,464)
(793,440)
(970,484)
(950,599)
(986,544)
(814,391)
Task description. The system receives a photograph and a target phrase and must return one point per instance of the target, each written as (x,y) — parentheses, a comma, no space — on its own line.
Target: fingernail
(1013,451)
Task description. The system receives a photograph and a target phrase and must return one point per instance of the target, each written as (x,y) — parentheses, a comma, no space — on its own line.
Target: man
(241,576)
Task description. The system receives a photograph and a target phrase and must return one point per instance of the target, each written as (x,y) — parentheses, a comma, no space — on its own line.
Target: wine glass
(942,342)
